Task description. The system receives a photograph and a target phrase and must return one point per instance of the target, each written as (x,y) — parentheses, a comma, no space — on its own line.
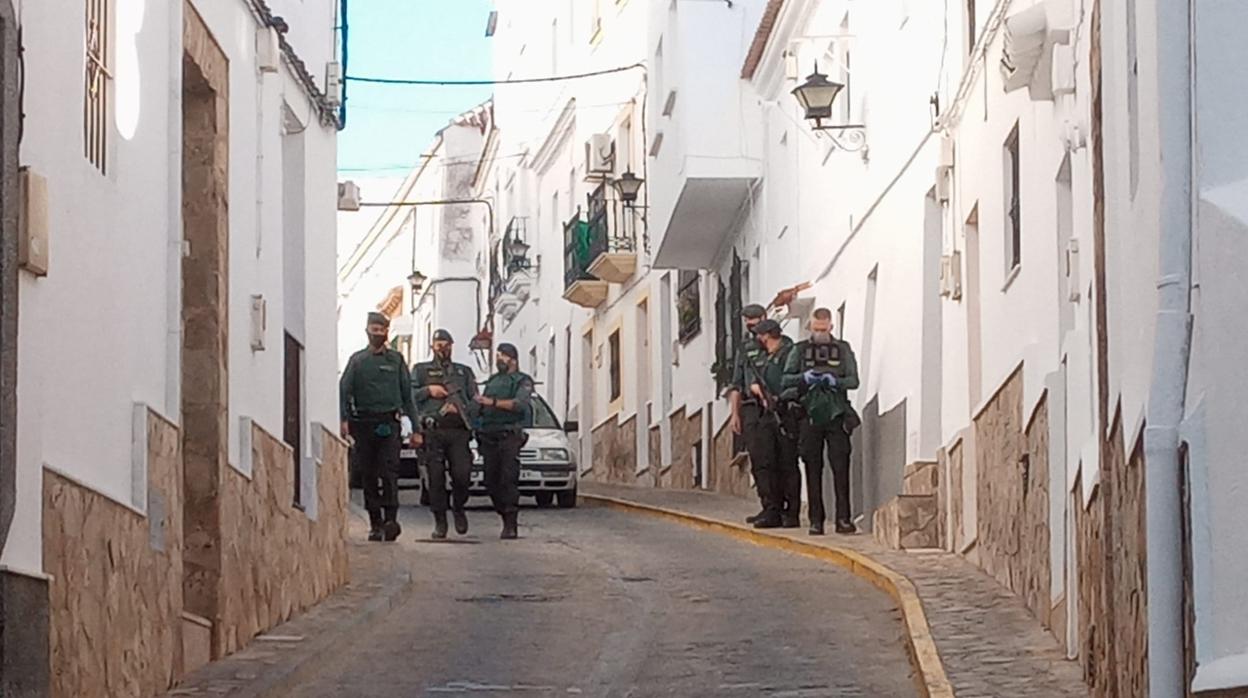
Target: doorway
(974,336)
(205,311)
(644,408)
(292,423)
(587,400)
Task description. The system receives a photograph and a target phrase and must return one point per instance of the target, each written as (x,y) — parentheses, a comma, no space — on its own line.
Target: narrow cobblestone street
(601,603)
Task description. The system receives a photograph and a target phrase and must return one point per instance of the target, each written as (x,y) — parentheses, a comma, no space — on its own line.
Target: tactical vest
(823,358)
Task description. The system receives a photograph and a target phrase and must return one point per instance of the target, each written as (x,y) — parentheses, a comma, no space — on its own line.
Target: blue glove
(810,378)
(829,379)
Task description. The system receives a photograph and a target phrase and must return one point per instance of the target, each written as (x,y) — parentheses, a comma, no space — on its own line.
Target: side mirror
(571,427)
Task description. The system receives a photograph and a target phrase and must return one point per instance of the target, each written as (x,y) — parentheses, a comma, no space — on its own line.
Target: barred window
(689,305)
(98,48)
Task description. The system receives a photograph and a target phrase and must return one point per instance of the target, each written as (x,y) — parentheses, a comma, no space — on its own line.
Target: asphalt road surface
(596,602)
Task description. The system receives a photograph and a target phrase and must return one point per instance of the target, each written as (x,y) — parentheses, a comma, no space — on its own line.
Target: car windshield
(541,416)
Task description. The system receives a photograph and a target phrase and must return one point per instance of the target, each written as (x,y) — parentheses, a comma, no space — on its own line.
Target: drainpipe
(1172,351)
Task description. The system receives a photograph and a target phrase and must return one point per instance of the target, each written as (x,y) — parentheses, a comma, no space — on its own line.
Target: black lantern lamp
(417,281)
(816,96)
(517,248)
(629,186)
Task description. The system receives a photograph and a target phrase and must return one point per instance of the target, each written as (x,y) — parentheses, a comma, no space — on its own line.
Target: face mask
(376,341)
(444,354)
(821,337)
(503,366)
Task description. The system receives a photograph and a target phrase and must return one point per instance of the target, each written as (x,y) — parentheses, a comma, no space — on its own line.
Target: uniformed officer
(739,397)
(504,405)
(746,412)
(445,394)
(375,402)
(823,369)
(770,436)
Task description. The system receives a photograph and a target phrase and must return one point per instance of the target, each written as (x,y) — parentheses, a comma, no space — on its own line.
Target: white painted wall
(113,278)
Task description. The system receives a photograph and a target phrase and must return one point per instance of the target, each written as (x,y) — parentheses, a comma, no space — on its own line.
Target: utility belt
(446,421)
(375,417)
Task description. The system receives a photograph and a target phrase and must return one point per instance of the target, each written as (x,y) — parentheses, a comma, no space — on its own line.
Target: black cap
(508,350)
(442,336)
(378,319)
(767,327)
(753,310)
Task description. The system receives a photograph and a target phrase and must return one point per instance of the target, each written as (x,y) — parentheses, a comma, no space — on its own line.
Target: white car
(548,470)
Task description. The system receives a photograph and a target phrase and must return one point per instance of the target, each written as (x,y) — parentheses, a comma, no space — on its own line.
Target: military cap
(753,310)
(442,336)
(508,350)
(767,327)
(378,319)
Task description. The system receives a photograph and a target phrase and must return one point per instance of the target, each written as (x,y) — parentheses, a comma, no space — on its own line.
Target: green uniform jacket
(458,378)
(374,383)
(822,403)
(507,386)
(752,351)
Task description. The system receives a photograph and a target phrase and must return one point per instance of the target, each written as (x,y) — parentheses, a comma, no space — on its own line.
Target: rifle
(770,403)
(454,395)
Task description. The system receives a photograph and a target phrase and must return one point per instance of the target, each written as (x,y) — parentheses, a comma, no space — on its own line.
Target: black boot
(374,535)
(511,527)
(816,528)
(461,522)
(439,525)
(769,520)
(390,530)
(792,521)
(755,517)
(846,527)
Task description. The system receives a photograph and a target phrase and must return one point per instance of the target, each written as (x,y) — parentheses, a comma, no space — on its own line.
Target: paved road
(601,603)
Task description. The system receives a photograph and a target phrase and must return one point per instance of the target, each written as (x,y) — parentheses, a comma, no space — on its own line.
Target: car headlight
(558,455)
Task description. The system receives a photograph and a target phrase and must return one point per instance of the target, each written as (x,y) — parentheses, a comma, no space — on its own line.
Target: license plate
(530,475)
(407,453)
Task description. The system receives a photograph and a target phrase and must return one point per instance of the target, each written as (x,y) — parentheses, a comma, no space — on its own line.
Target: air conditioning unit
(599,155)
(268,50)
(348,196)
(333,83)
(951,276)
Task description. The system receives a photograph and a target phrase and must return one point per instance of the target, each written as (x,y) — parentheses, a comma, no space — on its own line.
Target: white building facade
(1026,232)
(176,199)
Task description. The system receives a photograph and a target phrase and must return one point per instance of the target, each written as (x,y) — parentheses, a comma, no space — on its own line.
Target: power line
(509,81)
(454,112)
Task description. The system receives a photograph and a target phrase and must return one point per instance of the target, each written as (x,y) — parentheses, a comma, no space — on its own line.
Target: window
(541,416)
(971,29)
(1133,98)
(595,25)
(292,428)
(723,321)
(656,76)
(616,369)
(1013,220)
(571,192)
(551,378)
(533,361)
(98,79)
(689,305)
(624,147)
(554,47)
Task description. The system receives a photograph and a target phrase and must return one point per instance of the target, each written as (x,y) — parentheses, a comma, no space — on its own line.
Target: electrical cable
(509,81)
(345,31)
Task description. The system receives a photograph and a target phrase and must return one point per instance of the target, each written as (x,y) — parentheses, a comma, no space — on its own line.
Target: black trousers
(814,440)
(773,462)
(377,460)
(501,452)
(447,450)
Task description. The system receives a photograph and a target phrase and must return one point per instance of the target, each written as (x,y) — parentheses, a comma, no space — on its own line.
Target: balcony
(511,272)
(579,285)
(612,238)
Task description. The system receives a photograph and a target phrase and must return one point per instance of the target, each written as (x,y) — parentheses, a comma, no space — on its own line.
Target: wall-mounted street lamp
(629,186)
(517,248)
(417,281)
(816,96)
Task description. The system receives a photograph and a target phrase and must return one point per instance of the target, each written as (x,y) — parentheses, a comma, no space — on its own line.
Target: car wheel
(545,499)
(567,498)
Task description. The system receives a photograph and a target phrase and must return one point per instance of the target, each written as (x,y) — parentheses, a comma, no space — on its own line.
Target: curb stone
(930,677)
